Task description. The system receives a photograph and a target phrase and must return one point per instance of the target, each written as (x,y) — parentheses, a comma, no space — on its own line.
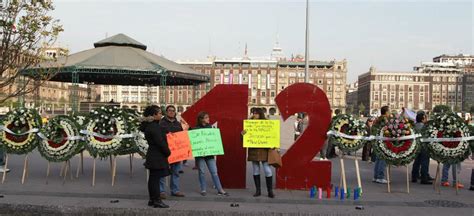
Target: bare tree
(26,29)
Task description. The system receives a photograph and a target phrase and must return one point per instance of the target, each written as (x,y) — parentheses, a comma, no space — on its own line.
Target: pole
(306,55)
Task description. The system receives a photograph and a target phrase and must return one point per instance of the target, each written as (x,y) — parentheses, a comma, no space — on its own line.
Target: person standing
(331,146)
(298,126)
(472,180)
(456,168)
(2,161)
(209,161)
(169,124)
(380,165)
(260,156)
(156,160)
(367,149)
(2,156)
(422,160)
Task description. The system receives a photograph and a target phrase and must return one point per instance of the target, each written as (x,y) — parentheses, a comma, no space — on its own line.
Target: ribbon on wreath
(3,128)
(71,138)
(370,138)
(91,133)
(448,139)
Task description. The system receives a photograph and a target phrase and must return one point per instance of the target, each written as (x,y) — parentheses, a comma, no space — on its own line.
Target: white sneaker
(381,181)
(2,169)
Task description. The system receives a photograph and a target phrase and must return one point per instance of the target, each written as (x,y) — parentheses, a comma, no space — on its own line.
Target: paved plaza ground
(78,197)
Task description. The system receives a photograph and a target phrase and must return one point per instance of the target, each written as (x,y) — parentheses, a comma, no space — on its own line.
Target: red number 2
(299,171)
(226,105)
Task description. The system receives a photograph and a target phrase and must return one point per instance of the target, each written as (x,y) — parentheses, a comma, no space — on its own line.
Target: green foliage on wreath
(348,125)
(129,145)
(448,125)
(57,145)
(20,120)
(397,152)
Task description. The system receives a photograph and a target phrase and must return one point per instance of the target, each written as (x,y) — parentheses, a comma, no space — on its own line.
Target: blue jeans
(174,180)
(266,168)
(455,170)
(379,168)
(202,162)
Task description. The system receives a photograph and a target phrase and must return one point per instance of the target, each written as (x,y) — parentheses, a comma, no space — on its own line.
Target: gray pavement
(78,197)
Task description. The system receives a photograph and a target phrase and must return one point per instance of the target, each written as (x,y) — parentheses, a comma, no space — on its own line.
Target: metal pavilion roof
(120,60)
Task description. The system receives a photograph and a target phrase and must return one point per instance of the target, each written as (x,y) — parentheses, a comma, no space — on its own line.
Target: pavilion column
(163,78)
(148,94)
(75,92)
(195,92)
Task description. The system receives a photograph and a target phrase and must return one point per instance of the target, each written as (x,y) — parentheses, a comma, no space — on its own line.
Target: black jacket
(158,151)
(168,126)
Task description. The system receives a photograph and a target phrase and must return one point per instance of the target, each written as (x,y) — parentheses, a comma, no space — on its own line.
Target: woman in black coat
(157,154)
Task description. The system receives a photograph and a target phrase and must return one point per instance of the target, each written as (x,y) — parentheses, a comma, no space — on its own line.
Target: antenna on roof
(210,46)
(245,52)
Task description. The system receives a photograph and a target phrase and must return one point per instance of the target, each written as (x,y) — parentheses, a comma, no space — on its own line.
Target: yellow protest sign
(262,134)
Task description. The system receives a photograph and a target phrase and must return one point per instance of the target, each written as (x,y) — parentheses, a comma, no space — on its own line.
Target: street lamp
(306,56)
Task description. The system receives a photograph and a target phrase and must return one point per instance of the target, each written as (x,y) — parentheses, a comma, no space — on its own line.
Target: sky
(387,34)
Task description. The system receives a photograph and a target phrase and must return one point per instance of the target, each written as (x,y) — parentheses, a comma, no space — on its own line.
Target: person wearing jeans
(456,168)
(174,180)
(169,124)
(379,171)
(422,160)
(379,168)
(203,121)
(260,156)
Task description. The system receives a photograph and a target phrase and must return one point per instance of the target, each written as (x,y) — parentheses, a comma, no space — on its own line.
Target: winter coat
(158,151)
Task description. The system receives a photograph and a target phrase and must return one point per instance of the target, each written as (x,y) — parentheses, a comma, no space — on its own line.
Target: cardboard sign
(262,134)
(206,142)
(179,145)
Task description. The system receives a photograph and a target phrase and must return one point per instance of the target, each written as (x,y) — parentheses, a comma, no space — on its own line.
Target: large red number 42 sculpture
(227,105)
(299,171)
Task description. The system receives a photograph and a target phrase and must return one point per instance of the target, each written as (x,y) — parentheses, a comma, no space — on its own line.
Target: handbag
(274,158)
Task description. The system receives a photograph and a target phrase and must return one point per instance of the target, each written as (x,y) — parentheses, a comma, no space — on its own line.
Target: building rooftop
(454,56)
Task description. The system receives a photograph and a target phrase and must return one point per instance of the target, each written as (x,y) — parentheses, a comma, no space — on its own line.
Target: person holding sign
(157,154)
(257,156)
(209,160)
(169,124)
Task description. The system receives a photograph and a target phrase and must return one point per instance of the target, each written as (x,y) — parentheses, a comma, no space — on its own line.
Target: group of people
(420,169)
(156,126)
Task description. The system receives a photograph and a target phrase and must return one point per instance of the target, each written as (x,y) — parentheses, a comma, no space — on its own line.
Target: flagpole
(306,56)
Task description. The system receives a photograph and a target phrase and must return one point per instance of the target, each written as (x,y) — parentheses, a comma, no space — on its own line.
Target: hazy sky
(390,35)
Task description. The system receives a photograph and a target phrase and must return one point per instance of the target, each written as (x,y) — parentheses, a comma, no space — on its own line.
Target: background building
(448,80)
(394,89)
(460,59)
(351,97)
(266,77)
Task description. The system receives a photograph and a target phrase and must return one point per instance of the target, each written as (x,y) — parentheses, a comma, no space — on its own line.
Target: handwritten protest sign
(179,145)
(262,134)
(206,142)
